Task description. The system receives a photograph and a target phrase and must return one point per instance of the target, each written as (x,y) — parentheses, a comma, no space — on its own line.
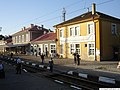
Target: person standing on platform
(2,72)
(11,55)
(51,64)
(42,57)
(18,66)
(75,57)
(78,59)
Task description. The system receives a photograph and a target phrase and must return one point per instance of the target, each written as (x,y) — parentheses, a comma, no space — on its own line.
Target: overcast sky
(15,14)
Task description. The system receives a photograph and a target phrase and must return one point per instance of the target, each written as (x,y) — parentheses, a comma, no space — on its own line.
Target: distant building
(93,35)
(21,40)
(45,44)
(2,44)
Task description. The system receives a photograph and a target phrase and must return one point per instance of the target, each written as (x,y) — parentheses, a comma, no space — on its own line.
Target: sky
(16,14)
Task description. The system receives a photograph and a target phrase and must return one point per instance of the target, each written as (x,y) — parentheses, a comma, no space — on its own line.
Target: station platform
(27,81)
(105,71)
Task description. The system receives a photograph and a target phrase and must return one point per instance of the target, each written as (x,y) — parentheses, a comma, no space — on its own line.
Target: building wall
(40,47)
(108,40)
(24,40)
(82,39)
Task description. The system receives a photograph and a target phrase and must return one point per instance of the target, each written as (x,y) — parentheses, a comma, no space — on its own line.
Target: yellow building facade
(94,36)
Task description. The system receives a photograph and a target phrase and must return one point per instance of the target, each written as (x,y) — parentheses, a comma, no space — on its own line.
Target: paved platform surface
(27,81)
(95,68)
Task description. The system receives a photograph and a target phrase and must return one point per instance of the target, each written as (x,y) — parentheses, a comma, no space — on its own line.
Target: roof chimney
(32,25)
(93,8)
(42,26)
(24,28)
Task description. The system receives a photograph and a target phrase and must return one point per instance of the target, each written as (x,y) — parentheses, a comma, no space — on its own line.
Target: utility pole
(63,14)
(0,28)
(94,13)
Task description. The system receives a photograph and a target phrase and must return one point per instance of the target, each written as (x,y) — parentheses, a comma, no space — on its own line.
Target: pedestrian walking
(18,66)
(51,64)
(75,57)
(42,58)
(11,55)
(2,72)
(78,59)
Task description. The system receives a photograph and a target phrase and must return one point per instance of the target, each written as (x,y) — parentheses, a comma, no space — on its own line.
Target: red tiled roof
(48,36)
(34,28)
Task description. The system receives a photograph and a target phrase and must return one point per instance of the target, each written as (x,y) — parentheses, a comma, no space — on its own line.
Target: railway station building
(93,35)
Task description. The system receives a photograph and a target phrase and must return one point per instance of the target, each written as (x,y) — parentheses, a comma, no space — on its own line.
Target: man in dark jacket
(2,73)
(78,59)
(51,65)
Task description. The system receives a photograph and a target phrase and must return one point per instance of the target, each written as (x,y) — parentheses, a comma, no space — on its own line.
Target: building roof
(31,28)
(48,36)
(88,15)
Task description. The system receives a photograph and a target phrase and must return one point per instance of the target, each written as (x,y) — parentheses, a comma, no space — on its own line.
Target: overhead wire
(52,12)
(80,9)
(68,6)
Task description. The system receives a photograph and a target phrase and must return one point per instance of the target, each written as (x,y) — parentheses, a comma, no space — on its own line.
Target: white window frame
(41,46)
(19,39)
(16,39)
(22,38)
(91,48)
(77,28)
(53,48)
(91,31)
(45,45)
(13,39)
(114,29)
(71,31)
(61,33)
(27,37)
(74,48)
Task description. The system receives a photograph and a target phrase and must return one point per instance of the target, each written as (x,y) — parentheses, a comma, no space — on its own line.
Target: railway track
(63,78)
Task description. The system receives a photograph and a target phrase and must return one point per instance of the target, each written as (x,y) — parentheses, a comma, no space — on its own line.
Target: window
(27,38)
(71,48)
(61,33)
(53,49)
(16,39)
(71,31)
(22,38)
(61,49)
(114,29)
(19,39)
(75,48)
(90,28)
(91,49)
(76,31)
(13,39)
